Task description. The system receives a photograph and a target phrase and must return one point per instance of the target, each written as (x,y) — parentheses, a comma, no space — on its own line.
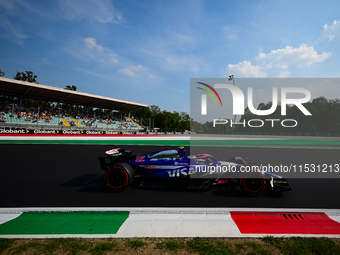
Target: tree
(72,87)
(154,110)
(26,76)
(184,122)
(2,74)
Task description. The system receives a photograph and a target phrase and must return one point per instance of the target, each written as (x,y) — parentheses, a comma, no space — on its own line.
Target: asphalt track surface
(34,175)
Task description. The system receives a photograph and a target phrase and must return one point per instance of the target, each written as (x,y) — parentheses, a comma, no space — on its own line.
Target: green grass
(207,247)
(101,248)
(5,243)
(22,249)
(303,245)
(277,241)
(252,248)
(170,245)
(200,245)
(75,245)
(69,245)
(212,246)
(135,244)
(72,245)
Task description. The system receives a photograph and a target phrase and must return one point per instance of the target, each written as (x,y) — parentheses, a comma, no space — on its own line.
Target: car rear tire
(119,177)
(252,183)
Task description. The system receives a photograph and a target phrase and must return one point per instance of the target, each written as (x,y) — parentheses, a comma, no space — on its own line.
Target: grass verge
(250,246)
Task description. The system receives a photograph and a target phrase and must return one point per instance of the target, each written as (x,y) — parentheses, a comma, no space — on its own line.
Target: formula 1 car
(172,168)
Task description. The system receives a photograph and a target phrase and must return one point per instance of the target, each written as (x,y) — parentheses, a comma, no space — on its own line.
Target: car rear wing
(115,156)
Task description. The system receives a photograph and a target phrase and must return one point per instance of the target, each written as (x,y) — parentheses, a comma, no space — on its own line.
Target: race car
(173,168)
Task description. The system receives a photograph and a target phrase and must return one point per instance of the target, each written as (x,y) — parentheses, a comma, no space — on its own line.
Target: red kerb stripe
(285,223)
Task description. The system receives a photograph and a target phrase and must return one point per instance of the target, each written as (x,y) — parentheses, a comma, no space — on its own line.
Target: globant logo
(71,132)
(41,131)
(12,131)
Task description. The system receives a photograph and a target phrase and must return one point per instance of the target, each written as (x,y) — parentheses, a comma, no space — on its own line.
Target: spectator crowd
(55,115)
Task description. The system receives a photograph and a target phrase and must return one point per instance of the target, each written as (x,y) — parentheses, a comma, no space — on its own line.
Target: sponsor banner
(40,131)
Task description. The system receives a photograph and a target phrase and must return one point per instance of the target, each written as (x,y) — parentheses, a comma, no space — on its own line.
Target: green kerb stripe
(44,223)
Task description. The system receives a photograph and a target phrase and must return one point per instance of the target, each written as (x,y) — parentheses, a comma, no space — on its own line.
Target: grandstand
(9,119)
(54,117)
